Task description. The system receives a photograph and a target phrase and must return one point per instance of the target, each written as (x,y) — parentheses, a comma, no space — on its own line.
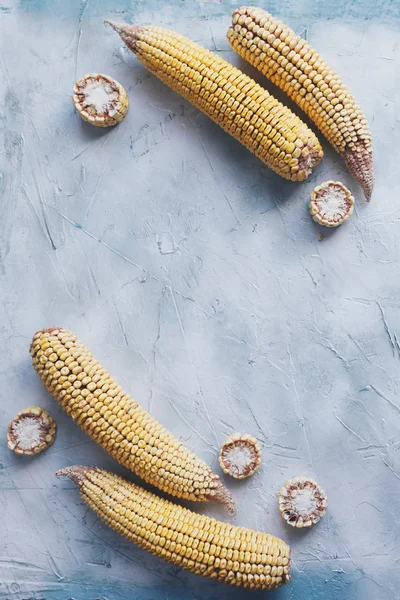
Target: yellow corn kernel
(136,513)
(310,82)
(211,84)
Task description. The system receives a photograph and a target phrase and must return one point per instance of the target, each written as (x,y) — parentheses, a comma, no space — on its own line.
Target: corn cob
(194,542)
(94,400)
(233,100)
(294,66)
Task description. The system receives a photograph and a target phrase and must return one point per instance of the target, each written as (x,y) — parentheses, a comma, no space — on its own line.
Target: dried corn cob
(194,542)
(294,66)
(94,400)
(233,100)
(100,100)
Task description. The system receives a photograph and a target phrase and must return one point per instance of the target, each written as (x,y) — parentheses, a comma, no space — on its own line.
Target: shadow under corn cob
(194,542)
(294,66)
(95,401)
(232,99)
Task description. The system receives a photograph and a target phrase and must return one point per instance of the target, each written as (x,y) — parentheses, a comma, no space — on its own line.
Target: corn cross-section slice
(331,204)
(95,401)
(293,65)
(194,542)
(229,97)
(240,455)
(302,502)
(100,100)
(31,431)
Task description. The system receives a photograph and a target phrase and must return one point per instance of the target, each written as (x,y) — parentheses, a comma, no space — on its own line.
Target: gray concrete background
(196,275)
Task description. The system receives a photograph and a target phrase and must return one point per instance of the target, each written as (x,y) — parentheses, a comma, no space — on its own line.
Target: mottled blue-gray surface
(197,276)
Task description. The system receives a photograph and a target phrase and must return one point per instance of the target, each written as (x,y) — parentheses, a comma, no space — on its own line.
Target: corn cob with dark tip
(232,99)
(94,400)
(194,542)
(294,66)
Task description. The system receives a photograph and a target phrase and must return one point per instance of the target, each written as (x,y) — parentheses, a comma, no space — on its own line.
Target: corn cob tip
(118,27)
(223,496)
(128,33)
(359,161)
(39,334)
(77,474)
(48,330)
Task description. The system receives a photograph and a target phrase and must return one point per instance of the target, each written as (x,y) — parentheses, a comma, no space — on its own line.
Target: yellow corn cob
(233,100)
(194,542)
(294,66)
(94,400)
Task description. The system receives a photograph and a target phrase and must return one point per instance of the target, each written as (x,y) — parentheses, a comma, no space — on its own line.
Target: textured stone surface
(197,276)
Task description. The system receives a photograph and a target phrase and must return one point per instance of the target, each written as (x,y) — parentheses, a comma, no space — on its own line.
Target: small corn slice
(31,431)
(294,66)
(194,542)
(229,97)
(331,204)
(240,455)
(100,100)
(95,401)
(302,502)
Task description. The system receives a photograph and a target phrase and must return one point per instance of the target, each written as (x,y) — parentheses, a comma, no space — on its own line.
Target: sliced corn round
(31,431)
(100,100)
(240,455)
(331,204)
(302,502)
